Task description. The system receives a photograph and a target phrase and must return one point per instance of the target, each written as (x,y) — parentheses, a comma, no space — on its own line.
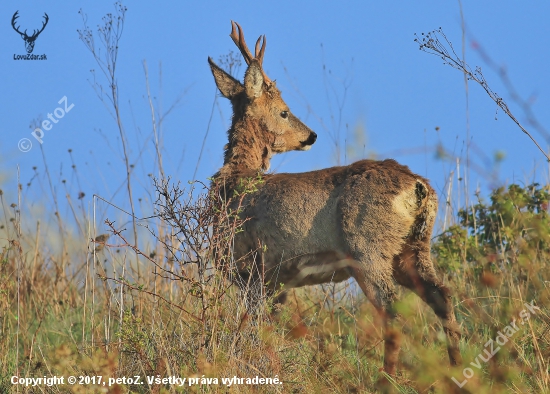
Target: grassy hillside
(95,309)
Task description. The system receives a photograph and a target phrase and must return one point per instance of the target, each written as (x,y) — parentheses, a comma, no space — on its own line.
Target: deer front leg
(392,341)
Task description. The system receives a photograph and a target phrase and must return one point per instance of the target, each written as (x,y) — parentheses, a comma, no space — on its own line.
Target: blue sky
(319,52)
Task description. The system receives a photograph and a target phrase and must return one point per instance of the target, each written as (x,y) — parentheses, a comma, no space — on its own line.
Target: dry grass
(180,317)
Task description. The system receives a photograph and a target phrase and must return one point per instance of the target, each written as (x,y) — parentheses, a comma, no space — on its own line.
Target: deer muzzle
(306,145)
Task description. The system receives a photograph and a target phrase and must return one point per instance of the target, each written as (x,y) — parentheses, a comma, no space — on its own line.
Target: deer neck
(247,153)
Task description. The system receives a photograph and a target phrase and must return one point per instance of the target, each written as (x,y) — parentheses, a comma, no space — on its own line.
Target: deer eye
(284,114)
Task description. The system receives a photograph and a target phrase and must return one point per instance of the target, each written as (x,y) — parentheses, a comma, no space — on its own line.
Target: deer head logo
(29,40)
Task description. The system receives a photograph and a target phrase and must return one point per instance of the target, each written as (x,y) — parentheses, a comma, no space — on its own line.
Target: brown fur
(371,220)
(258,129)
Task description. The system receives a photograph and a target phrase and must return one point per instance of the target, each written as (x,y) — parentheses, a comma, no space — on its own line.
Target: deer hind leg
(413,269)
(381,292)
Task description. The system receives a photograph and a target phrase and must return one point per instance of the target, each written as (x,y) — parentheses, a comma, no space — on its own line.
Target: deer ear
(253,80)
(229,87)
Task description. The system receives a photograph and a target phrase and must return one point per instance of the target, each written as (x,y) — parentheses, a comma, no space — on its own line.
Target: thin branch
(436,43)
(125,283)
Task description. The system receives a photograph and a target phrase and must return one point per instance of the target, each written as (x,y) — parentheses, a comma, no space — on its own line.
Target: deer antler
(238,39)
(35,32)
(13,19)
(47,18)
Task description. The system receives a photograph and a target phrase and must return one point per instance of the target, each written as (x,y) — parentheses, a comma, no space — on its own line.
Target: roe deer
(371,220)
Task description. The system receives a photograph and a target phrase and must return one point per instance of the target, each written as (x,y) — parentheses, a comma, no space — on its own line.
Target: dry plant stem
(4,210)
(56,213)
(443,48)
(336,98)
(77,177)
(118,233)
(155,132)
(158,142)
(86,276)
(69,201)
(205,135)
(524,104)
(110,35)
(467,91)
(114,92)
(340,101)
(17,225)
(126,161)
(35,258)
(123,283)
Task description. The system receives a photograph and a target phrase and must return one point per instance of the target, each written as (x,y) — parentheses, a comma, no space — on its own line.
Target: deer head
(262,121)
(29,40)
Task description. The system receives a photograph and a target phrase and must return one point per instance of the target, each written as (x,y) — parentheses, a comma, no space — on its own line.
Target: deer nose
(312,138)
